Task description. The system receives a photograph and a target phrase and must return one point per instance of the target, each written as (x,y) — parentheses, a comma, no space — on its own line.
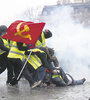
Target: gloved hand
(29,45)
(14,81)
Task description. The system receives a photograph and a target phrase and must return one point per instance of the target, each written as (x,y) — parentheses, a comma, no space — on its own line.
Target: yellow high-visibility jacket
(55,76)
(41,44)
(15,52)
(5,44)
(10,43)
(34,60)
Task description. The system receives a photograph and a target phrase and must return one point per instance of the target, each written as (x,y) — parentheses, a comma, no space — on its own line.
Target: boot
(36,84)
(76,82)
(79,82)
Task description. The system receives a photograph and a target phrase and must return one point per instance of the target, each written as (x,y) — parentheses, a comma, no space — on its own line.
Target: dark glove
(14,81)
(28,52)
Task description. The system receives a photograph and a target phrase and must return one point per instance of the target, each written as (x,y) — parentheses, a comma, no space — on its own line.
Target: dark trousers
(40,74)
(18,65)
(37,74)
(2,64)
(6,64)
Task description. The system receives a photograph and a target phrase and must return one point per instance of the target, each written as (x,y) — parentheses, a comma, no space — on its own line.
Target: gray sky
(11,8)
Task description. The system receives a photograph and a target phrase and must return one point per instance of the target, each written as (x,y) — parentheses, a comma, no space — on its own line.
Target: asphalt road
(24,92)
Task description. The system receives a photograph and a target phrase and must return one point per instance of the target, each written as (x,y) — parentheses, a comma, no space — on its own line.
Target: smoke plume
(71,41)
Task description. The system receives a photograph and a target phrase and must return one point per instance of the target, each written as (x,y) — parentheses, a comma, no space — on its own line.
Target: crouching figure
(61,79)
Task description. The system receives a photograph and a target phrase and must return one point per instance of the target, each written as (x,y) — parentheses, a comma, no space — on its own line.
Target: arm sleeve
(48,34)
(43,58)
(55,61)
(2,47)
(21,47)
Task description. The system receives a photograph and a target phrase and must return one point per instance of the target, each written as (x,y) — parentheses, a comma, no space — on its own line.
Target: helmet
(3,29)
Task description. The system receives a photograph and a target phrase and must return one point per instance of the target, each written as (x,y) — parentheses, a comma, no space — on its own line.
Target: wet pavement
(24,92)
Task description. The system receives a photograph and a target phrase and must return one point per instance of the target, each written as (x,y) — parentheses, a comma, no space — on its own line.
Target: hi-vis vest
(41,44)
(15,52)
(55,76)
(10,43)
(34,60)
(5,44)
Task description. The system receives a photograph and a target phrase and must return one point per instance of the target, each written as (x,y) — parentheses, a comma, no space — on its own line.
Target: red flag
(24,32)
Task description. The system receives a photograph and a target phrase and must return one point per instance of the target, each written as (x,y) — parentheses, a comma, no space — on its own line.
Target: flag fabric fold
(24,32)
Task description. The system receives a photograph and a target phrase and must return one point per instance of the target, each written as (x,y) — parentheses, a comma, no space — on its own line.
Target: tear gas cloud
(71,42)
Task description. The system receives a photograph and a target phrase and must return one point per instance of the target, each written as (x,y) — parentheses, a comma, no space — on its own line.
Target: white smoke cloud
(10,10)
(71,42)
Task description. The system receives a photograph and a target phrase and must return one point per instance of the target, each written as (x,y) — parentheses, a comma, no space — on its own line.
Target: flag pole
(24,65)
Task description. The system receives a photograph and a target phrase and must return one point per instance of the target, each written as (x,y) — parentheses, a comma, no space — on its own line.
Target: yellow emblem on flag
(26,29)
